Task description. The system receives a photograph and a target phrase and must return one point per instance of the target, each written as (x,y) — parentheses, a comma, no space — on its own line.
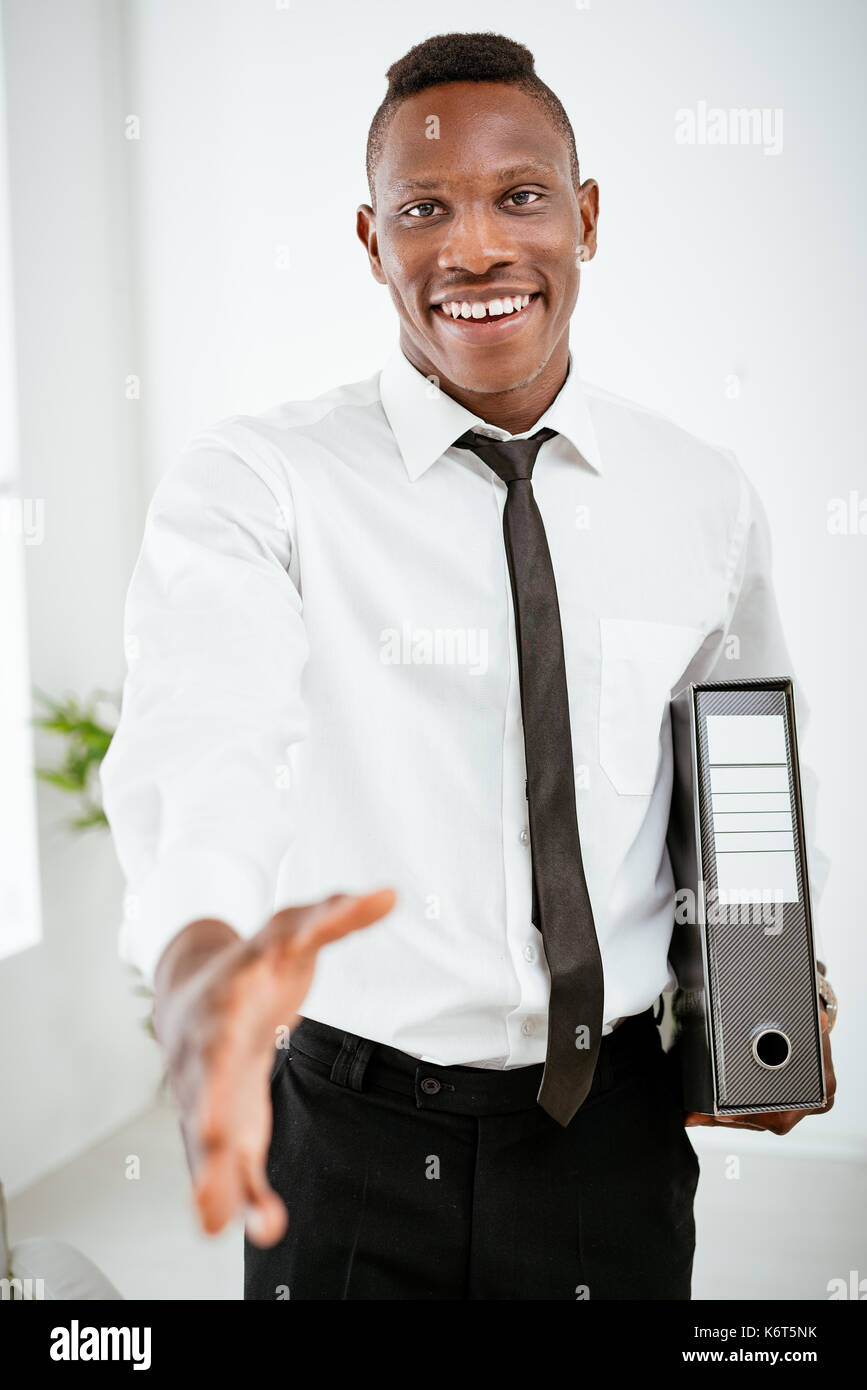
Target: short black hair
(481,57)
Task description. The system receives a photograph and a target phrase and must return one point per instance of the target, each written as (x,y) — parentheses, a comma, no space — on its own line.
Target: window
(20,525)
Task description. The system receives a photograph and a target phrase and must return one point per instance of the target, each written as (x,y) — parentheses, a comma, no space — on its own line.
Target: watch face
(829,1000)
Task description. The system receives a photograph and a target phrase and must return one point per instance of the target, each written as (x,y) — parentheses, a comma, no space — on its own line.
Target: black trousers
(406,1180)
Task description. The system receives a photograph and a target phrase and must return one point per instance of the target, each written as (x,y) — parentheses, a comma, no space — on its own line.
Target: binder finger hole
(772,1048)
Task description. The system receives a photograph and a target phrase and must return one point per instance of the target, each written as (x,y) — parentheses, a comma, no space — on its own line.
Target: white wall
(712,261)
(76,1062)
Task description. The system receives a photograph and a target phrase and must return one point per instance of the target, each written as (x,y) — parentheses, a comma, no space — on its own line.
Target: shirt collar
(425,421)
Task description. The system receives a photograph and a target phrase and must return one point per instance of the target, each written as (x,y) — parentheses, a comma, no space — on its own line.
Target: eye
(525,193)
(410,211)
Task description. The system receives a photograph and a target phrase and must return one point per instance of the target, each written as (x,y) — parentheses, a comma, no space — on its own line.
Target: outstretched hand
(219,1027)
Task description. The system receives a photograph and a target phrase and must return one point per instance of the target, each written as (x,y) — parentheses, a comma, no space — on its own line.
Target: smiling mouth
(499,317)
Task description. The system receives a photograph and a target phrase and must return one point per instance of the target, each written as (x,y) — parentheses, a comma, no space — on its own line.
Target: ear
(365,226)
(588,204)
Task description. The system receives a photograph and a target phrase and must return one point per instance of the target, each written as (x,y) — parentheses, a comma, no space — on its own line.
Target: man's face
(485,210)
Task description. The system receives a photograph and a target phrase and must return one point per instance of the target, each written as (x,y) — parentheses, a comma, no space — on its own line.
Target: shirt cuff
(185,886)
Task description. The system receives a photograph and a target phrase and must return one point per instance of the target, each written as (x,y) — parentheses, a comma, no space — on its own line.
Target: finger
(830,1078)
(729,1121)
(266,1218)
(217,1188)
(734,1122)
(289,921)
(221,1087)
(224,1179)
(776,1121)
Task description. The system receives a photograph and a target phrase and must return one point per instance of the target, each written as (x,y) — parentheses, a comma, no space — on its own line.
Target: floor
(769,1227)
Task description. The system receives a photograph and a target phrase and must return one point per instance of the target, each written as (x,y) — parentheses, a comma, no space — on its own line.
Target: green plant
(143,991)
(85,727)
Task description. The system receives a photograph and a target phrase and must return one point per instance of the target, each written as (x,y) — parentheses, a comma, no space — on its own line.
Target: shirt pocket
(641,664)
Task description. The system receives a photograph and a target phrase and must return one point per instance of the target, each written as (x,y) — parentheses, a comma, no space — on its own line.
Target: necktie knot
(510,459)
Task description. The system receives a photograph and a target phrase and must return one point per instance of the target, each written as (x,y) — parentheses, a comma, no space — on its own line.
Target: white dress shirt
(322,694)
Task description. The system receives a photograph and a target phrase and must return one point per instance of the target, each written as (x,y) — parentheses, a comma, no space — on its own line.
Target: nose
(476,240)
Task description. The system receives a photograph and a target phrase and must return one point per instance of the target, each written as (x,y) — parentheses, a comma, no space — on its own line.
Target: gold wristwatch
(828,998)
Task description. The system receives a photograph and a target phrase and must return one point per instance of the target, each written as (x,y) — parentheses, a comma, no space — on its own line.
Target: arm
(754,645)
(194,793)
(216,647)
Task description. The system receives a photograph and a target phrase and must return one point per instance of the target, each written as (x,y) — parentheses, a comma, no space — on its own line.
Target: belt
(359,1064)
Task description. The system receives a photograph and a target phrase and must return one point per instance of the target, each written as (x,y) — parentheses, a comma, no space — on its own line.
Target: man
(406,639)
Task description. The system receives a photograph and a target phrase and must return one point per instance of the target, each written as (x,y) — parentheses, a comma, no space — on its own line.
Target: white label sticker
(755,853)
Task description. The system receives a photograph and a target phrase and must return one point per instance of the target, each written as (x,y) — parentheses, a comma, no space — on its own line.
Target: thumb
(333,918)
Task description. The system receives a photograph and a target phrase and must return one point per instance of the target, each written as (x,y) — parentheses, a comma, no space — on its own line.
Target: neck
(515,410)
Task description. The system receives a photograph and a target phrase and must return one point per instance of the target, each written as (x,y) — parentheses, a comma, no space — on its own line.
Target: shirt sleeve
(754,646)
(196,782)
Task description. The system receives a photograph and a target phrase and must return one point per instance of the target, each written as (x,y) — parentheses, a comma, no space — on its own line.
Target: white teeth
(509,304)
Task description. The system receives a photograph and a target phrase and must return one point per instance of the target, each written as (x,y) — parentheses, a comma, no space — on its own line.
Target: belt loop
(350,1064)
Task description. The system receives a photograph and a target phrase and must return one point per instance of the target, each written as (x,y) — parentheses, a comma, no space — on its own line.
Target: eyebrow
(513,172)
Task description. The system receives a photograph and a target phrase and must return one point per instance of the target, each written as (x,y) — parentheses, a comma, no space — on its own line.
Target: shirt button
(524,836)
(528,1028)
(430,1085)
(529,953)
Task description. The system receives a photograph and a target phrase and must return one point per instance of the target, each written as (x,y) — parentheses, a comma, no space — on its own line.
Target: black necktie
(561,903)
